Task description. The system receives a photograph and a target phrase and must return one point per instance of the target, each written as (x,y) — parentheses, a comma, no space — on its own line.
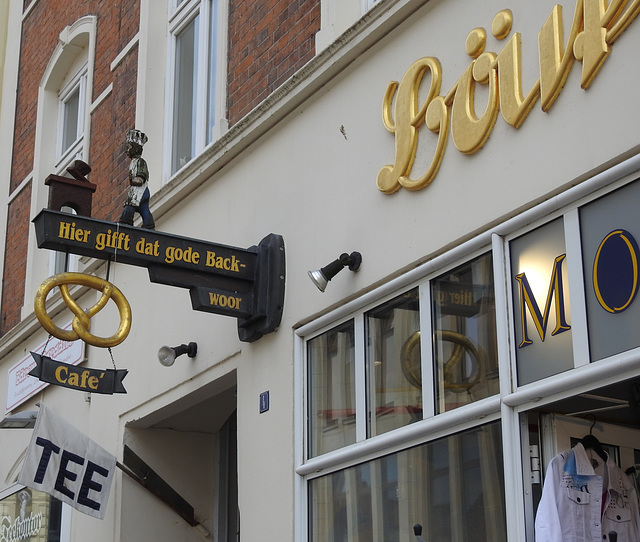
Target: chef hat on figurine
(137,137)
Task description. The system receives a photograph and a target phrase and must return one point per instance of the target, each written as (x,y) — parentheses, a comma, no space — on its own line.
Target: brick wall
(268,41)
(117,24)
(15,258)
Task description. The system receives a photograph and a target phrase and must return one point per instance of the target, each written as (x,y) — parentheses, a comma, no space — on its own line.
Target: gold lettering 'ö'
(595,27)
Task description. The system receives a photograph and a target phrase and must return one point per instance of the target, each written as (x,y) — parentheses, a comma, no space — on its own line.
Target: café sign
(595,27)
(106,381)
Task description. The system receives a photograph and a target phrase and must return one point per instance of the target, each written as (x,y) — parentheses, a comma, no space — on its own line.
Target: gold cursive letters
(595,27)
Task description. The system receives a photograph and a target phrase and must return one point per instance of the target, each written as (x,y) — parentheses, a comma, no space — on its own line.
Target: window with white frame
(193,89)
(70,142)
(70,146)
(366,377)
(461,359)
(71,120)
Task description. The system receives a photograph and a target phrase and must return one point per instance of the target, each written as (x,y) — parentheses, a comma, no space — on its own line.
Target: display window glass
(332,404)
(541,302)
(393,363)
(610,230)
(28,514)
(464,334)
(453,487)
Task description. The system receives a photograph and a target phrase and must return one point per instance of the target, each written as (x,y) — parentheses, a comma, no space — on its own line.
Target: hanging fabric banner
(68,465)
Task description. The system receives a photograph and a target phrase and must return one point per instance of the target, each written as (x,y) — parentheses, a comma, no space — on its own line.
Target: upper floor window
(193,88)
(71,118)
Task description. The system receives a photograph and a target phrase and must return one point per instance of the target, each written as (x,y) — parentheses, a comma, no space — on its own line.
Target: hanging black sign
(106,381)
(244,283)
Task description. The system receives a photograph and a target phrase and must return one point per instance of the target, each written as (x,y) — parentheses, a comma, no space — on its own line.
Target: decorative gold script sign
(596,26)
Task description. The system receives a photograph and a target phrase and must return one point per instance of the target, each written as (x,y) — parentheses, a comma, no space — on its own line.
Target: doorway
(611,414)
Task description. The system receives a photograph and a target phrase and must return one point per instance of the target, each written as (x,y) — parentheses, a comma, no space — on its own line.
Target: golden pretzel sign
(82,320)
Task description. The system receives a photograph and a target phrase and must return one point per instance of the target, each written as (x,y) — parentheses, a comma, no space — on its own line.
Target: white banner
(65,463)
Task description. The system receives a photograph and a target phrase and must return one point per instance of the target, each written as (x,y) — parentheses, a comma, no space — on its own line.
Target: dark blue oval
(615,271)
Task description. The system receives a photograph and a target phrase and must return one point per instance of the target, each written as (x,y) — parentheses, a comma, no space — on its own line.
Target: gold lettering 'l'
(596,25)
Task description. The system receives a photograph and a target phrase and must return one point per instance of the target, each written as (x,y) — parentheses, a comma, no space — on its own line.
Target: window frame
(78,83)
(209,92)
(358,311)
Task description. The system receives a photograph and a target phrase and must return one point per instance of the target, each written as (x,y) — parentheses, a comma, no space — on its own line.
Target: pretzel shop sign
(247,284)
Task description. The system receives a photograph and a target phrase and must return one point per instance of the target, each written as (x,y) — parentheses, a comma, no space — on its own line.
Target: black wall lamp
(167,354)
(321,277)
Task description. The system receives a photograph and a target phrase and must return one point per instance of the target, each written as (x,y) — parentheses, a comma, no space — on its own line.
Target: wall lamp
(321,277)
(20,420)
(167,354)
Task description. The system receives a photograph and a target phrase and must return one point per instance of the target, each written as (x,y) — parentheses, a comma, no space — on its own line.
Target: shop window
(365,376)
(541,303)
(393,364)
(453,487)
(27,514)
(464,336)
(332,406)
(194,94)
(610,231)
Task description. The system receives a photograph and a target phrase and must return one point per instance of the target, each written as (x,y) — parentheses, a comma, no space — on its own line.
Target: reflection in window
(331,369)
(453,487)
(393,364)
(465,335)
(28,514)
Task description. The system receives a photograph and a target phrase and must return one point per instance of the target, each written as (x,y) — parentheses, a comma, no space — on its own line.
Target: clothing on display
(586,498)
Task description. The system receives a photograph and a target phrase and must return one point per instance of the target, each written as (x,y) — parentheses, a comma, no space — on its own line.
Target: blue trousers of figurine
(143,209)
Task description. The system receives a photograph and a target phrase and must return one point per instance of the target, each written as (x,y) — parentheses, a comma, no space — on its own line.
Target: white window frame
(59,261)
(76,47)
(64,156)
(181,14)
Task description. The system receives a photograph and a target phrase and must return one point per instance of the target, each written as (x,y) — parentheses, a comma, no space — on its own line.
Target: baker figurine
(138,195)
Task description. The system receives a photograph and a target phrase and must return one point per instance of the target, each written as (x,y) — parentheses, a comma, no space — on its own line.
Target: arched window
(63,115)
